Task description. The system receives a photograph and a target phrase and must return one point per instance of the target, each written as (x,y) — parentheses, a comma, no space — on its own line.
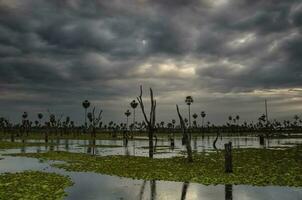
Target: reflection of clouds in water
(94,186)
(138,147)
(269,192)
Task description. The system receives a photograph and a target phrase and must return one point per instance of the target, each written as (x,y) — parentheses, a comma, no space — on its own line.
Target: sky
(229,55)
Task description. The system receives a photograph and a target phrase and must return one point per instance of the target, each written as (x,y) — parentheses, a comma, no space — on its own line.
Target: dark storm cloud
(67,50)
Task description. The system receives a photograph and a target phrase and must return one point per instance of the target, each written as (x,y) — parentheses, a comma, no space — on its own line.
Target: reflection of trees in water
(89,150)
(51,148)
(184,190)
(66,145)
(195,143)
(228,192)
(127,152)
(23,149)
(152,190)
(38,149)
(141,192)
(91,147)
(57,144)
(133,147)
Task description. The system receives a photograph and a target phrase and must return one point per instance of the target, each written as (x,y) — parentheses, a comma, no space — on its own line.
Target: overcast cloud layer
(228,54)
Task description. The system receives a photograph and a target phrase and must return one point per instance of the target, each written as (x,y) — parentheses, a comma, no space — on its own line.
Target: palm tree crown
(133,104)
(24,116)
(195,115)
(189,100)
(127,113)
(40,115)
(86,104)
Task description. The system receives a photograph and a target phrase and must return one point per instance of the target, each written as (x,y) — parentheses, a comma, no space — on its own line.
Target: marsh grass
(30,185)
(261,167)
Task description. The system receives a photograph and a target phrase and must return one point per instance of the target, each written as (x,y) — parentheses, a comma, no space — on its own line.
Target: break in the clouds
(228,54)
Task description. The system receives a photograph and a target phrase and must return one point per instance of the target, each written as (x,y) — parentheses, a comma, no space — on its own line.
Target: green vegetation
(30,185)
(251,166)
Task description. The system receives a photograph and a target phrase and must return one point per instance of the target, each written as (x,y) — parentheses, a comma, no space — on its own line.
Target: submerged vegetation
(30,185)
(259,167)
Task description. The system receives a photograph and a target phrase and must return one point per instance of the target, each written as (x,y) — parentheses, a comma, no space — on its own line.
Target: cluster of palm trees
(160,125)
(64,125)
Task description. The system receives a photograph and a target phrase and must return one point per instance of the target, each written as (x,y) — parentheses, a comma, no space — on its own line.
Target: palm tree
(25,122)
(195,117)
(24,115)
(189,101)
(203,115)
(173,123)
(40,116)
(230,119)
(86,105)
(237,118)
(162,124)
(133,105)
(127,113)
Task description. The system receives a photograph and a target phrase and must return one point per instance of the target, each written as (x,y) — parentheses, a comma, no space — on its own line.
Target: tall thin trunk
(153,189)
(184,190)
(127,123)
(189,116)
(133,116)
(85,120)
(151,148)
(228,192)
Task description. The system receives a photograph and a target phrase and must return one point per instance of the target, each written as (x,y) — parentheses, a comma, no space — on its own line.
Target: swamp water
(92,186)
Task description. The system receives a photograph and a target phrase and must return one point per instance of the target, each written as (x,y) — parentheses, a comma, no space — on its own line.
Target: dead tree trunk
(153,190)
(141,193)
(94,121)
(184,190)
(261,138)
(214,143)
(228,157)
(151,121)
(185,136)
(228,192)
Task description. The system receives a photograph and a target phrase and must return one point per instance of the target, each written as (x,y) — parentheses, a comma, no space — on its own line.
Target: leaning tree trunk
(214,143)
(185,136)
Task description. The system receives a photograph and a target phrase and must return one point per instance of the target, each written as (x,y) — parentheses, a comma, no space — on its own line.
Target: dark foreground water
(92,186)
